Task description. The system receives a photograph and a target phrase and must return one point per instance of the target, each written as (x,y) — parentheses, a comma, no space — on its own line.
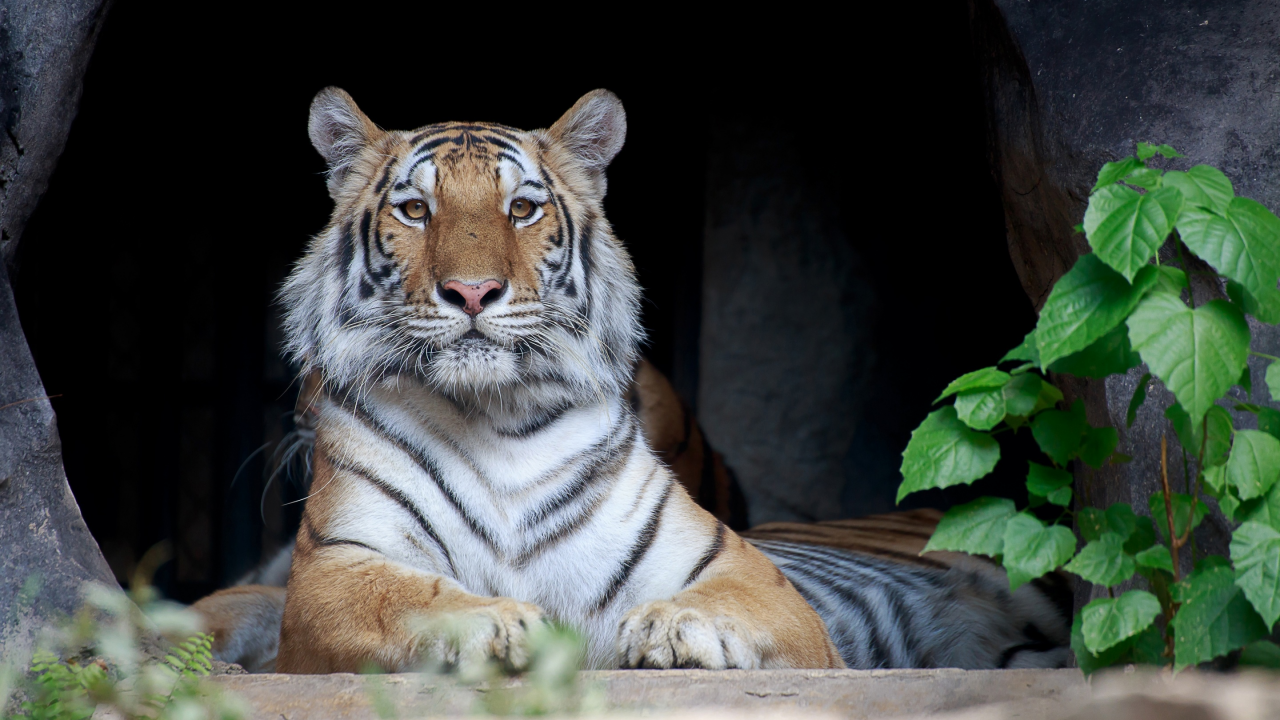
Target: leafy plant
(97,661)
(1117,308)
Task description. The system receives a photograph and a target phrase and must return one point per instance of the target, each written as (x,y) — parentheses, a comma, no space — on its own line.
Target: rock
(1070,86)
(769,693)
(44,50)
(48,552)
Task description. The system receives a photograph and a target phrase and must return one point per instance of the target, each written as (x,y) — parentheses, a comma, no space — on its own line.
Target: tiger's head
(474,257)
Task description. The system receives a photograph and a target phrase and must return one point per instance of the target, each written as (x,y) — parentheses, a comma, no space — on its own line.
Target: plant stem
(1168,505)
(1182,260)
(1264,355)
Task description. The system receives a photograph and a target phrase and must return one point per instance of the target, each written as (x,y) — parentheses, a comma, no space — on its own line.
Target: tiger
(475,323)
(476,455)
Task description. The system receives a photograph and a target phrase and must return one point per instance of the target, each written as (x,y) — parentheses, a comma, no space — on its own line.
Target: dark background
(146,278)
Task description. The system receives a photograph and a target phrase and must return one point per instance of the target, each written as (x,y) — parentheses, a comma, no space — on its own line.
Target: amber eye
(521,208)
(414,209)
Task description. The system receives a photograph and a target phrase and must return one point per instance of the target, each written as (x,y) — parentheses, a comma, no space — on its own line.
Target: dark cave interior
(146,278)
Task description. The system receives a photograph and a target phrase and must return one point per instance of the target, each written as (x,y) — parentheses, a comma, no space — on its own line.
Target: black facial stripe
(513,160)
(643,541)
(413,168)
(386,176)
(533,184)
(346,246)
(503,144)
(433,144)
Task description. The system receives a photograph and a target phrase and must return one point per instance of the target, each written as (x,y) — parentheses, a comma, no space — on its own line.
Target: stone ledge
(810,694)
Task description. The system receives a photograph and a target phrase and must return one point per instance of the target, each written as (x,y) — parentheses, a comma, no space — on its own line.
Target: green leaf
(1061,433)
(1215,617)
(1104,561)
(1156,556)
(1269,421)
(1125,227)
(1254,464)
(1202,186)
(981,409)
(987,377)
(1246,380)
(1049,397)
(1099,443)
(1026,351)
(1021,394)
(1189,433)
(1145,178)
(1042,480)
(1086,304)
(1145,648)
(1262,653)
(1146,151)
(1109,355)
(1114,171)
(1032,549)
(1060,497)
(1265,510)
(1255,551)
(1215,480)
(943,452)
(1118,518)
(1217,441)
(1273,381)
(1107,622)
(1242,243)
(1198,354)
(1265,305)
(976,527)
(1139,397)
(1170,280)
(1183,513)
(1143,535)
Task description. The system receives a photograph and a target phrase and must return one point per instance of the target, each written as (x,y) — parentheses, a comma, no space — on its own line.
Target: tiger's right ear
(339,131)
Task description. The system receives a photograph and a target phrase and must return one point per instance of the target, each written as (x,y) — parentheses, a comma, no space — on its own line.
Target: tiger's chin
(473,364)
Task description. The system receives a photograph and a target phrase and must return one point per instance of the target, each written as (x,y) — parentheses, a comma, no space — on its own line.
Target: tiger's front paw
(663,634)
(498,630)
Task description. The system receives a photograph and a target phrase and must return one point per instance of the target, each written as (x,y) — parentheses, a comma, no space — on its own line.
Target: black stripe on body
(1037,642)
(818,540)
(347,250)
(395,495)
(608,466)
(540,422)
(321,541)
(588,473)
(851,577)
(638,550)
(713,552)
(425,462)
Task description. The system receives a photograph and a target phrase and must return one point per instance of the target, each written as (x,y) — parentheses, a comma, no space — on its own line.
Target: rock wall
(1070,86)
(46,552)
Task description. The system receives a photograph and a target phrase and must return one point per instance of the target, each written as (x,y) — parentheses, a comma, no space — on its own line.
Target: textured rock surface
(44,48)
(766,403)
(785,693)
(1070,86)
(41,532)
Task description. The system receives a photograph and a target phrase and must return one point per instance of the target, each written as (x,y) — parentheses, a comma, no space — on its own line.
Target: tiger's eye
(414,209)
(521,209)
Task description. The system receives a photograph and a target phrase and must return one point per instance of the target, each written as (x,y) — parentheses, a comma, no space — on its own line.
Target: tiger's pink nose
(472,298)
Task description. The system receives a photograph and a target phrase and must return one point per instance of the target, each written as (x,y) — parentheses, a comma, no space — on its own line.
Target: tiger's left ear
(593,131)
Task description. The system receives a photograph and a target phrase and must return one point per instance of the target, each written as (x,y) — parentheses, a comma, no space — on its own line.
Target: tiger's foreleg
(740,613)
(349,608)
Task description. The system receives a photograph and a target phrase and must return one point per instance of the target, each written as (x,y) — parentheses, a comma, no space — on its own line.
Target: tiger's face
(475,257)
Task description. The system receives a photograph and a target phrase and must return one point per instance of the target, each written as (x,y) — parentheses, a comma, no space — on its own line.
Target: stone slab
(746,693)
